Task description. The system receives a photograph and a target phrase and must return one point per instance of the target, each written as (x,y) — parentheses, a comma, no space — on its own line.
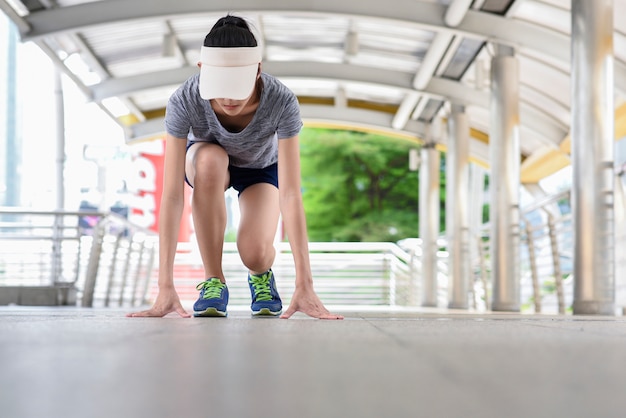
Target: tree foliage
(358,186)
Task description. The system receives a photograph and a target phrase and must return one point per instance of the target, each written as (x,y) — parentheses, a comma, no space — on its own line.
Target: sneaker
(265,298)
(213,298)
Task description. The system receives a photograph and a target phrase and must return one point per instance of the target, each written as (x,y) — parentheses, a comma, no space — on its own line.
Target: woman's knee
(257,256)
(210,165)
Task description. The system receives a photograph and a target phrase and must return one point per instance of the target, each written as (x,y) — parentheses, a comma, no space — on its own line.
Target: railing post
(413,278)
(107,297)
(483,270)
(94,263)
(126,269)
(532,259)
(387,267)
(142,246)
(56,266)
(556,264)
(149,268)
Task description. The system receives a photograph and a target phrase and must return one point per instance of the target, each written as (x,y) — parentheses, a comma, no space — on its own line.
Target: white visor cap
(228,73)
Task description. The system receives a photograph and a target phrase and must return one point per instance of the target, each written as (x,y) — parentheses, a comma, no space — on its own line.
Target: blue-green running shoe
(213,298)
(265,298)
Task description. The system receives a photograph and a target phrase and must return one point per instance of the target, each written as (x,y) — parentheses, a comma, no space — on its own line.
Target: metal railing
(546,268)
(346,273)
(546,255)
(109,261)
(94,258)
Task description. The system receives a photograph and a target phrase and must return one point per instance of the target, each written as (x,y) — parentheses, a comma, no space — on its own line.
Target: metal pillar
(620,241)
(505,180)
(429,221)
(592,135)
(476,203)
(60,137)
(12,154)
(457,215)
(56,269)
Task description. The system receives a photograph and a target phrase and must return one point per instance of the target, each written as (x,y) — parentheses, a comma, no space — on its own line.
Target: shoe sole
(266,312)
(210,312)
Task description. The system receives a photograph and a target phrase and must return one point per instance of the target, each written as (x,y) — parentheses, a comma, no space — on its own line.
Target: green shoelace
(261,286)
(212,288)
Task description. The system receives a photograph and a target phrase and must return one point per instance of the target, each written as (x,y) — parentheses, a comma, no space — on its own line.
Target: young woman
(234,126)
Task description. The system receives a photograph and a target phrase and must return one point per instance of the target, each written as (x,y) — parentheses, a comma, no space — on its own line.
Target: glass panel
(463,58)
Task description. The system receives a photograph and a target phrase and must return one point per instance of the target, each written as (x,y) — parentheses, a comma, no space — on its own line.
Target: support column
(592,135)
(429,221)
(505,180)
(57,235)
(457,211)
(620,241)
(11,154)
(60,138)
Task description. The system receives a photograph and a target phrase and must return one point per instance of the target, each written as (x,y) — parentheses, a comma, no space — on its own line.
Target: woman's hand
(305,300)
(167,301)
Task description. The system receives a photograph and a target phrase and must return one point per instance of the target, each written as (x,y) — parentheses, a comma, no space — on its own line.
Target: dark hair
(233,32)
(230,32)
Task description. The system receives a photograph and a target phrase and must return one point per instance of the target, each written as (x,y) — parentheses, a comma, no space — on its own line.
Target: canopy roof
(395,66)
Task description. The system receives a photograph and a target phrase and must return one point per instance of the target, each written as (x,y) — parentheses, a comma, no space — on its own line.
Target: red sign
(147,186)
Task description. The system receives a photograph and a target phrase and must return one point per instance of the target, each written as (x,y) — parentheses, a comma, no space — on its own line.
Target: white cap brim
(228,73)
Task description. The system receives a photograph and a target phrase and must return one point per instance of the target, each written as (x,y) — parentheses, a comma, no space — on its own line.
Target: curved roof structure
(394,66)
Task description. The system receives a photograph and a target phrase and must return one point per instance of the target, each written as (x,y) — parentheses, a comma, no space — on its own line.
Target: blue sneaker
(265,298)
(213,298)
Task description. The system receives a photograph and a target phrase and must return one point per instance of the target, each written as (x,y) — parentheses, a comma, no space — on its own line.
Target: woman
(234,126)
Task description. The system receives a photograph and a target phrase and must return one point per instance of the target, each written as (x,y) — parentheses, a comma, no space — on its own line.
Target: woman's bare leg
(257,228)
(207,171)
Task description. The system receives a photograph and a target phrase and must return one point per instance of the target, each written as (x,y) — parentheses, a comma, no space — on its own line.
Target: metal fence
(100,259)
(346,273)
(65,257)
(546,242)
(546,256)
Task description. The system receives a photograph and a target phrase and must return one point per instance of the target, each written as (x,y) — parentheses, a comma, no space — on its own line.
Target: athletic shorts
(241,178)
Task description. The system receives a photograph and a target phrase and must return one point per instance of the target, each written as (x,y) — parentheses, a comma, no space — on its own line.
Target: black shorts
(241,178)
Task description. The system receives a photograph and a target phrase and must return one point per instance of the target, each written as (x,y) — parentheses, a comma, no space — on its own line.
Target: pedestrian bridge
(486,320)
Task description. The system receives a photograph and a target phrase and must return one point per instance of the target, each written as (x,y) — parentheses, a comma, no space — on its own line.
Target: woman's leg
(207,171)
(260,211)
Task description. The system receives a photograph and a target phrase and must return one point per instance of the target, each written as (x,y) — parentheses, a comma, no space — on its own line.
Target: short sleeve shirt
(256,146)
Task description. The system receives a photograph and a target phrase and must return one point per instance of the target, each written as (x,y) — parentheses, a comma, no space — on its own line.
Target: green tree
(358,186)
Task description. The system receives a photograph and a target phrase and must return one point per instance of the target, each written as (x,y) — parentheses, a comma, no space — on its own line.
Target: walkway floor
(93,363)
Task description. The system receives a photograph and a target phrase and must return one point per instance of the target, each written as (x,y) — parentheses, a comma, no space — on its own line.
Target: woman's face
(232,107)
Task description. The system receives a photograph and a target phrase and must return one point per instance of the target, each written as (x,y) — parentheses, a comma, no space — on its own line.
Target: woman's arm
(292,209)
(170,213)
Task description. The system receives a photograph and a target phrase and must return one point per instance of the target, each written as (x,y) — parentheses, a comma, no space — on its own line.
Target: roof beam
(486,26)
(330,115)
(439,88)
(405,110)
(456,12)
(429,15)
(298,69)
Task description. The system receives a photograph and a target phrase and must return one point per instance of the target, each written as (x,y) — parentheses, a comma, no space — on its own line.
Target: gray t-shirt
(277,117)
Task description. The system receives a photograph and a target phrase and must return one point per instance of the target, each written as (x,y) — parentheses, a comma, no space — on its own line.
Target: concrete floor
(74,362)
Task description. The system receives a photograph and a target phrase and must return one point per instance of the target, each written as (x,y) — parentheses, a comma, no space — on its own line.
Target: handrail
(60,247)
(545,201)
(345,273)
(118,268)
